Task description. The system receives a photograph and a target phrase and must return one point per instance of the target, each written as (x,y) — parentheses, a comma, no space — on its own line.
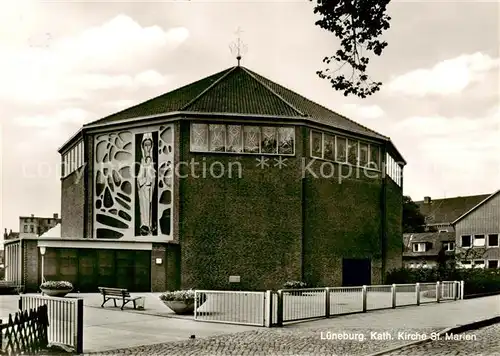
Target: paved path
(485,341)
(362,333)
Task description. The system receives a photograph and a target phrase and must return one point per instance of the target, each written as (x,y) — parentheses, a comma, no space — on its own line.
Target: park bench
(117,294)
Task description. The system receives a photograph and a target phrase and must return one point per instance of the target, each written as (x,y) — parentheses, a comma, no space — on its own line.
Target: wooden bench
(116,293)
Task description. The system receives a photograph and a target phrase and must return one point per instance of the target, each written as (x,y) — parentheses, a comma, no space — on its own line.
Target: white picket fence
(273,308)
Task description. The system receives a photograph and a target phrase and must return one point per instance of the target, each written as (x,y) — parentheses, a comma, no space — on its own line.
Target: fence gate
(65,317)
(233,307)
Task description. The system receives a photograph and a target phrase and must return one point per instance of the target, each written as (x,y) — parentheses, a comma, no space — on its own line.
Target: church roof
(238,90)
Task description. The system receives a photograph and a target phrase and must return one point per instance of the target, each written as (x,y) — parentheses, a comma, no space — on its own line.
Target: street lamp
(42,252)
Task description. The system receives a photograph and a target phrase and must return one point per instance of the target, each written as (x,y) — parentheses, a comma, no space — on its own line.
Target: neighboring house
(10,235)
(440,213)
(35,225)
(186,190)
(477,234)
(422,250)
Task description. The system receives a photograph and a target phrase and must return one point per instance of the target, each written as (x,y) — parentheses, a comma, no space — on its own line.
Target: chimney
(427,200)
(56,216)
(32,215)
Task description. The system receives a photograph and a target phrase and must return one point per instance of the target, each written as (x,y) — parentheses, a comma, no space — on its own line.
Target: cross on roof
(239,47)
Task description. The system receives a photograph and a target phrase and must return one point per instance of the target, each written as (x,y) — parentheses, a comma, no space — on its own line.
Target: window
(25,228)
(251,138)
(341,149)
(374,157)
(217,140)
(419,247)
(32,228)
(316,144)
(269,142)
(363,154)
(352,152)
(234,138)
(479,240)
(449,246)
(286,140)
(493,240)
(479,263)
(48,221)
(466,264)
(329,147)
(199,137)
(466,241)
(492,263)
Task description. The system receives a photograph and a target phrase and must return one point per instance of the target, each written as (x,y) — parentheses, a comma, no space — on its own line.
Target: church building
(232,181)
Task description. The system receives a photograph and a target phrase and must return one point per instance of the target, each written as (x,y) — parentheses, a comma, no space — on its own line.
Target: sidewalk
(312,338)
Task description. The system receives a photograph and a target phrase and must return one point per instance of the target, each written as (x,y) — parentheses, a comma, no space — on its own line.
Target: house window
(25,228)
(449,246)
(269,140)
(419,247)
(251,139)
(32,228)
(286,140)
(217,141)
(466,241)
(352,152)
(479,240)
(234,138)
(466,264)
(199,137)
(479,263)
(341,149)
(492,263)
(374,157)
(493,240)
(363,154)
(48,221)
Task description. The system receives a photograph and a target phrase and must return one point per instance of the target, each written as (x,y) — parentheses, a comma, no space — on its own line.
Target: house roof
(445,211)
(436,238)
(475,207)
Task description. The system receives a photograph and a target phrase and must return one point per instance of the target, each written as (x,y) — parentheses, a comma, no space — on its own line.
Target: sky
(66,63)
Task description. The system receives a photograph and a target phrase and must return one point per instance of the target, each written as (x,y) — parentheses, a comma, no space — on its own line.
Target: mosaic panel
(133,184)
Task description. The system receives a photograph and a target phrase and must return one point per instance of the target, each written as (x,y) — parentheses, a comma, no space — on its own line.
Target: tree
(357,24)
(413,220)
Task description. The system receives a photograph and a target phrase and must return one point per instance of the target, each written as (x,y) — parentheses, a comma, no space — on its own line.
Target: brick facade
(73,203)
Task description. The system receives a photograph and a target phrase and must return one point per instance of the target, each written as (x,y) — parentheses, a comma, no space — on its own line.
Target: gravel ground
(485,341)
(282,342)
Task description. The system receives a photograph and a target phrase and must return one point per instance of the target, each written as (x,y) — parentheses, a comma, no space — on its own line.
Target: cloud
(104,57)
(359,112)
(73,116)
(448,77)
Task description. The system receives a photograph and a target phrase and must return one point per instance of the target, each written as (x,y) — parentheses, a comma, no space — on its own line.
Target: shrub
(179,295)
(294,285)
(56,285)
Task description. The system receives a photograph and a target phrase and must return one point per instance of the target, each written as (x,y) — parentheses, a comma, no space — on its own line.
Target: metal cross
(239,47)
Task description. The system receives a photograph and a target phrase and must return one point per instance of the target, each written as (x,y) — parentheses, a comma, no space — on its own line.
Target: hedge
(477,280)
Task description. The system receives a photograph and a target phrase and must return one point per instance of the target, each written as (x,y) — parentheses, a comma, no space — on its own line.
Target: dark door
(356,272)
(87,271)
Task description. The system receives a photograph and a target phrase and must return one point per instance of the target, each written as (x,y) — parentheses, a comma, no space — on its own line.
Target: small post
(20,303)
(269,308)
(462,289)
(417,291)
(393,290)
(79,326)
(364,295)
(279,320)
(437,292)
(327,302)
(456,288)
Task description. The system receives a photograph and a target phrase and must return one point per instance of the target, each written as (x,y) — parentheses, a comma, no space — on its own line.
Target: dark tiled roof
(238,90)
(436,238)
(445,211)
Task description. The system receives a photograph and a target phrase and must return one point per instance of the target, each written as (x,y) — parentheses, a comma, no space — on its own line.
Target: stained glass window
(352,151)
(217,138)
(199,137)
(329,147)
(286,140)
(251,135)
(374,157)
(317,144)
(269,140)
(341,149)
(363,154)
(234,138)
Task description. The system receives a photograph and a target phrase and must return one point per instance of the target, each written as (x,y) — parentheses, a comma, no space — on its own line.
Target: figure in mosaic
(146,180)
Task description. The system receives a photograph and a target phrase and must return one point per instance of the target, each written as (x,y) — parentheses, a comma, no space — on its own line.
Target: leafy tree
(413,220)
(357,24)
